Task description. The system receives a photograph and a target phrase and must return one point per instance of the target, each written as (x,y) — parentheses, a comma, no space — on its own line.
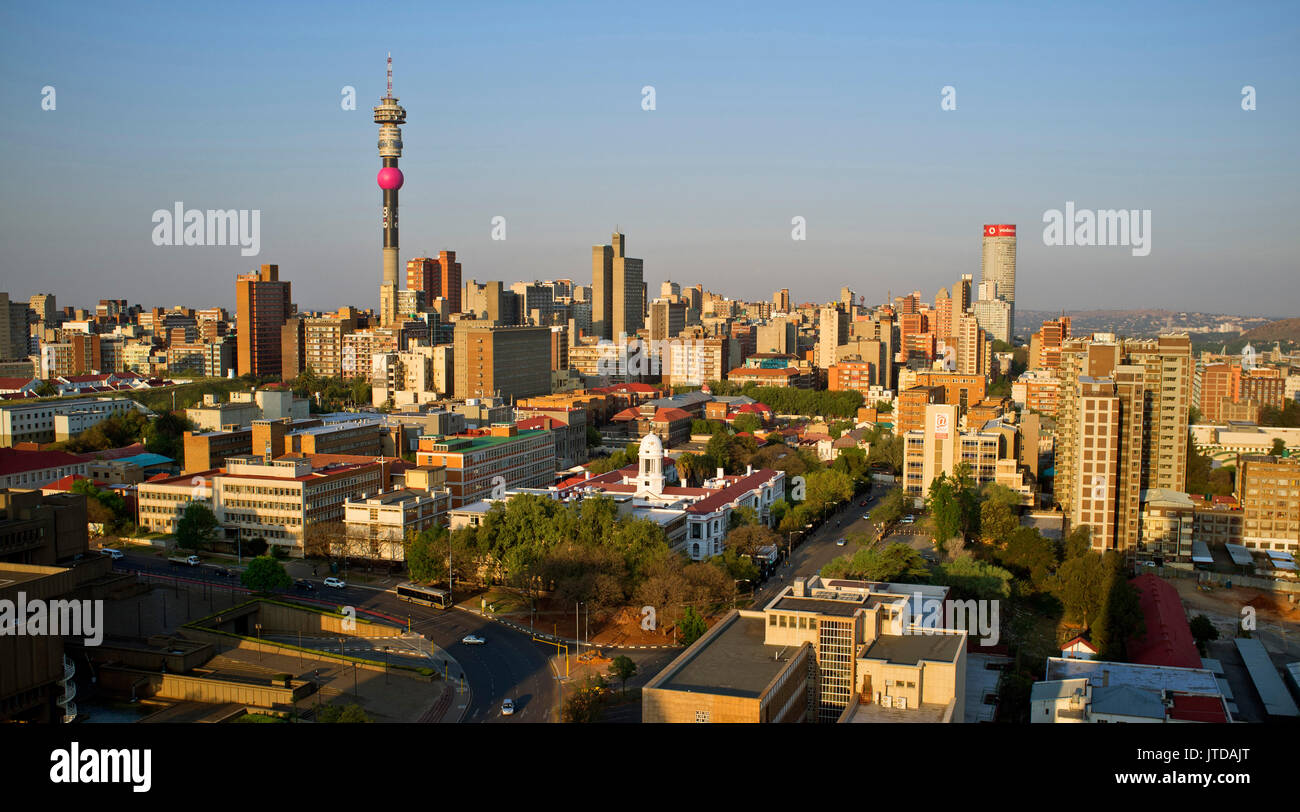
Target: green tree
(1279,447)
(892,507)
(1120,618)
(586,705)
(747,422)
(692,626)
(1203,631)
(997,522)
(972,578)
(1080,585)
(896,563)
(622,669)
(196,527)
(265,574)
(426,554)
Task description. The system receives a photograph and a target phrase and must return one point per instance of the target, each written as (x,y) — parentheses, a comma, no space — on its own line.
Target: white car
(336,583)
(907,520)
(472,640)
(840,542)
(508,708)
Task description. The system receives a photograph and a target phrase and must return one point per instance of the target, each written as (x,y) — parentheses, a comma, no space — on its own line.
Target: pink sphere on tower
(390,177)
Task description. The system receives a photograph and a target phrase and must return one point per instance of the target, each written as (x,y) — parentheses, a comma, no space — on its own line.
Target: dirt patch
(1268,605)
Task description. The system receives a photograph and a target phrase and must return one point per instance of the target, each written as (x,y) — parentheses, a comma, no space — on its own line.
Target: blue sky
(764,112)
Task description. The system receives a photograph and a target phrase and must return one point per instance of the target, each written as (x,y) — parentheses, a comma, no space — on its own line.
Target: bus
(427,595)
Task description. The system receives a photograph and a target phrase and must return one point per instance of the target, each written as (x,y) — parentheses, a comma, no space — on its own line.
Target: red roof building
(1168,640)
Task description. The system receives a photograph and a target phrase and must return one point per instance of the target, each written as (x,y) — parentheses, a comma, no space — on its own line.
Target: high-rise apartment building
(1268,488)
(1143,388)
(781,300)
(436,278)
(832,331)
(263,305)
(618,290)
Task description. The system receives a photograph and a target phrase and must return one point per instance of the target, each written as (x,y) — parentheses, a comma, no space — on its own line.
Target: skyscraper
(617,290)
(999,265)
(263,305)
(388,115)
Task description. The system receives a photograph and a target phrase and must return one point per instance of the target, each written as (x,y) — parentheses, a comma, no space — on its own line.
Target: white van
(113,554)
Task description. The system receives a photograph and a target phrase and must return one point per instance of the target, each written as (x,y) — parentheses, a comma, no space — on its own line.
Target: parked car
(334,583)
(508,708)
(113,554)
(303,585)
(840,542)
(472,640)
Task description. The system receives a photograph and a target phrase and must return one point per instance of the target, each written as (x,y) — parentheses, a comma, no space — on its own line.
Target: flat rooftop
(910,649)
(1158,677)
(841,608)
(736,662)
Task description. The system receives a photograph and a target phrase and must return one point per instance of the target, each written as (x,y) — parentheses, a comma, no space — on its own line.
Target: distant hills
(1140,323)
(1280,330)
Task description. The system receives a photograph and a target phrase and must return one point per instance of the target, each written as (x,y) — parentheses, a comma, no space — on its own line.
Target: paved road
(820,548)
(509,665)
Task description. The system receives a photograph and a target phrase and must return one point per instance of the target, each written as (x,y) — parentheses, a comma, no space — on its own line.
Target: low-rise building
(823,650)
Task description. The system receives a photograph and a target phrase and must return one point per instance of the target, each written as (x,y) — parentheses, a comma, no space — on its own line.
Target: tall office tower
(998,264)
(262,305)
(942,314)
(781,300)
(832,331)
(1150,381)
(667,319)
(512,362)
(993,315)
(388,115)
(13,329)
(670,289)
(961,295)
(846,300)
(43,304)
(617,290)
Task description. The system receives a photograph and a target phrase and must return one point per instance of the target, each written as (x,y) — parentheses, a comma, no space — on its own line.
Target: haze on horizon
(763,112)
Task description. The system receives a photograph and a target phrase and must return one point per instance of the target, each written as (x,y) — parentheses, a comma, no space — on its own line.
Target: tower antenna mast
(390,75)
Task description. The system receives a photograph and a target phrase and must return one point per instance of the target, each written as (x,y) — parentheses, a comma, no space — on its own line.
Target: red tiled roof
(732,492)
(64,484)
(13,461)
(15,383)
(672,413)
(84,378)
(1168,640)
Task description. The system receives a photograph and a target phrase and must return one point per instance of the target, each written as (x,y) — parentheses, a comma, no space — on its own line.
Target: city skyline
(706,183)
